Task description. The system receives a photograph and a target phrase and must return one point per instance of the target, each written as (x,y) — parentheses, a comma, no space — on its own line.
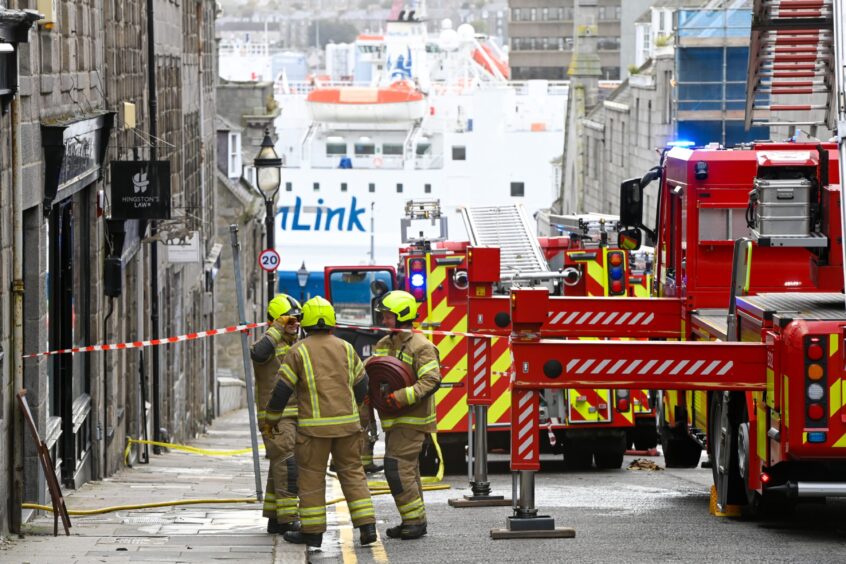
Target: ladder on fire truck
(508,228)
(791,73)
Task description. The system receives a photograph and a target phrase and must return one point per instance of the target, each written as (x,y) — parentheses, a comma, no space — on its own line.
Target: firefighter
(280,498)
(330,385)
(406,432)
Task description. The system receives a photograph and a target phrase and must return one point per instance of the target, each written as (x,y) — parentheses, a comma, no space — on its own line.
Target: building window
(518,189)
(371,187)
(459,153)
(399,187)
(392,149)
(427,188)
(234,155)
(336,149)
(289,186)
(423,148)
(343,186)
(316,186)
(667,111)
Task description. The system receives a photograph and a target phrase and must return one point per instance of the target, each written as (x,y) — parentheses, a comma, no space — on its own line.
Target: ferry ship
(418,116)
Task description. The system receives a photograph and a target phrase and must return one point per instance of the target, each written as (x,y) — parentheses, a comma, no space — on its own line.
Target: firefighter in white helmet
(406,432)
(280,497)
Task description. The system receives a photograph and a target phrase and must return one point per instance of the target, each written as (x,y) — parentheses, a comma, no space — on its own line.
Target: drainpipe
(16,438)
(154,247)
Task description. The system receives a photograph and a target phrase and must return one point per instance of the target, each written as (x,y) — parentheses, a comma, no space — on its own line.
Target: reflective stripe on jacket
(266,369)
(421,356)
(323,369)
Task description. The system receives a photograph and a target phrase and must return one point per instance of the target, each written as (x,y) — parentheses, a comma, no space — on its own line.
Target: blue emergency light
(417,278)
(683,144)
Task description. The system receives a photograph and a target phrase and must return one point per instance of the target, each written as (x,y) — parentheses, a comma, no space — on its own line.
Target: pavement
(648,515)
(234,532)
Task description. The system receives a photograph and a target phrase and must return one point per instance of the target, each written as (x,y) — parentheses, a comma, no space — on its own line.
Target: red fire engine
(585,423)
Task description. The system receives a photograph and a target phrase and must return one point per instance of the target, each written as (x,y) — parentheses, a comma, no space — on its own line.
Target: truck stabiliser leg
(525,459)
(477,434)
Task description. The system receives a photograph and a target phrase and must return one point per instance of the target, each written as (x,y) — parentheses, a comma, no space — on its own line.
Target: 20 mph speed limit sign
(269,260)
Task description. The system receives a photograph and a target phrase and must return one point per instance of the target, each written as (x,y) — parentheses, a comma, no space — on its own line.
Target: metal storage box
(783,207)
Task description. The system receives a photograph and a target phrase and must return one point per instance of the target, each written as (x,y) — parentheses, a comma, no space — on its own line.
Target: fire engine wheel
(454,459)
(758,505)
(724,441)
(578,455)
(608,452)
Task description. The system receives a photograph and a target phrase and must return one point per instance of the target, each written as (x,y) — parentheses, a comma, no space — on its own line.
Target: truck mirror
(631,202)
(629,239)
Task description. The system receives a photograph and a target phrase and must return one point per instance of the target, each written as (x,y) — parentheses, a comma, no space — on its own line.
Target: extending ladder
(791,64)
(508,228)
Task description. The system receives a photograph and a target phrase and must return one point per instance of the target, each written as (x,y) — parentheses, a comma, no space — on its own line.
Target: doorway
(69,311)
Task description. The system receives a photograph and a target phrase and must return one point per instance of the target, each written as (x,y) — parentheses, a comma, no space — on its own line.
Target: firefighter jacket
(324,370)
(267,354)
(421,356)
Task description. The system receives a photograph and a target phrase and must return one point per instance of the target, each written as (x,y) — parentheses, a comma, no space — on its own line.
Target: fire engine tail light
(816,402)
(616,261)
(622,400)
(765,478)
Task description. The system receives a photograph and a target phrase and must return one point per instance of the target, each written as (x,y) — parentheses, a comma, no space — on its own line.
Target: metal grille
(817,306)
(506,227)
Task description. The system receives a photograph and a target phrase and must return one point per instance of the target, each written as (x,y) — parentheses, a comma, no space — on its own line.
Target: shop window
(392,149)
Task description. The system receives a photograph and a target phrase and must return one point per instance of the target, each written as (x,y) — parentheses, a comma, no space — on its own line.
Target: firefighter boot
(410,532)
(273,526)
(373,468)
(313,540)
(367,534)
(285,527)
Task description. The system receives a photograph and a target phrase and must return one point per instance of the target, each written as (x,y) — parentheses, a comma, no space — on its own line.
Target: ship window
(336,148)
(316,186)
(399,187)
(365,149)
(423,148)
(371,187)
(427,188)
(459,153)
(289,186)
(392,149)
(343,186)
(518,189)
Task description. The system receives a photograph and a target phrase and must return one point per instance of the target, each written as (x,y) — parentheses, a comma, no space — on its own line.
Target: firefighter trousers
(312,455)
(280,495)
(402,471)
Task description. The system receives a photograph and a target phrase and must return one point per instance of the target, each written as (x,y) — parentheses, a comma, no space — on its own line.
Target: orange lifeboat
(401,101)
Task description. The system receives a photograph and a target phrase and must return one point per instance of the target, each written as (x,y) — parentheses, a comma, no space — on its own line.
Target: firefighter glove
(392,401)
(266,429)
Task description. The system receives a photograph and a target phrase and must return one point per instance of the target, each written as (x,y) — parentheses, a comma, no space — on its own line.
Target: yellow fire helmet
(318,312)
(283,304)
(400,303)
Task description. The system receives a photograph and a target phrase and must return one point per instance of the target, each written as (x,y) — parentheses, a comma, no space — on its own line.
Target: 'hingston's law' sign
(140,189)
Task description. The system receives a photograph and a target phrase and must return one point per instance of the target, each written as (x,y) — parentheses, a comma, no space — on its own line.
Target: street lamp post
(268,178)
(302,280)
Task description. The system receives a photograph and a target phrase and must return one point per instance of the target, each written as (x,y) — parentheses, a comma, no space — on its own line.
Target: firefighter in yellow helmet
(330,383)
(280,497)
(405,433)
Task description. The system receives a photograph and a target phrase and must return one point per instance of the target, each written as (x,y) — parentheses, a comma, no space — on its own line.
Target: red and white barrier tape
(234,329)
(152,342)
(421,331)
